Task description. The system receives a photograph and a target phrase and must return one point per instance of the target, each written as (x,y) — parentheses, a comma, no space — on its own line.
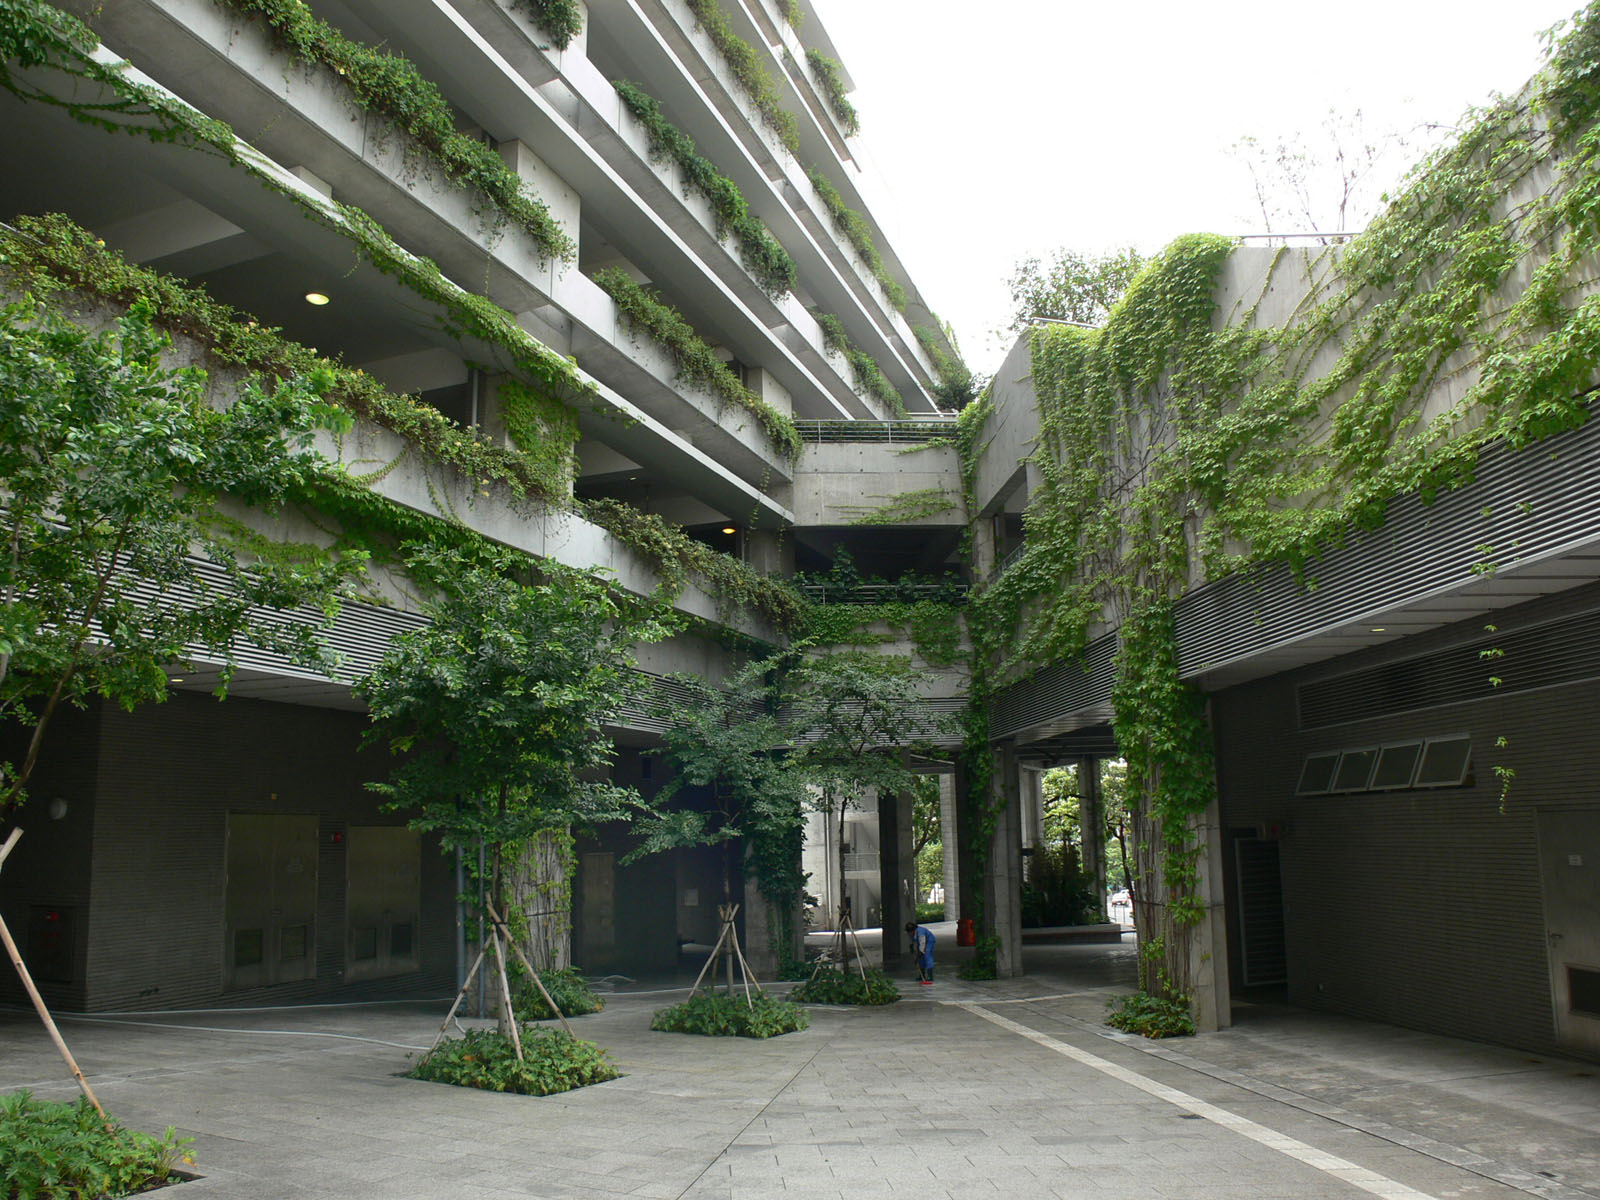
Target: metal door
(1569,859)
(270,910)
(383,901)
(1261,927)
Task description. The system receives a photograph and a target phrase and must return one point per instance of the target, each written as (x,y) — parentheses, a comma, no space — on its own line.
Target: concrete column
(559,197)
(1091,818)
(1002,884)
(758,921)
(898,888)
(950,841)
(1208,963)
(769,552)
(968,880)
(983,548)
(1031,788)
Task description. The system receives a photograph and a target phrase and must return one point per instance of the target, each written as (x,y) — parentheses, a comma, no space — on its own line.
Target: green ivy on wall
(854,227)
(792,13)
(868,378)
(745,63)
(830,73)
(1173,445)
(696,361)
(760,252)
(387,83)
(544,430)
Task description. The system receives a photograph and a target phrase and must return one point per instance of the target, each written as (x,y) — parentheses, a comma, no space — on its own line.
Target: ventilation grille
(1062,687)
(1260,911)
(1542,501)
(1563,651)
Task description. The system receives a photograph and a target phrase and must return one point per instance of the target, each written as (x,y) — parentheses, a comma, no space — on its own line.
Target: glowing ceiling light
(729,529)
(316,298)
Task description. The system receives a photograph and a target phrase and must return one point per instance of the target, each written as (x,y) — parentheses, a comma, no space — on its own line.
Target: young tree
(494,708)
(854,711)
(113,471)
(732,740)
(1072,286)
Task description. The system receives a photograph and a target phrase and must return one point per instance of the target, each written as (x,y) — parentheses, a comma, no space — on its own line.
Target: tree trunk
(538,888)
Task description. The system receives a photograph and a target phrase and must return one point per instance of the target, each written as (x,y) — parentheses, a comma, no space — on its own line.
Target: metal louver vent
(1561,651)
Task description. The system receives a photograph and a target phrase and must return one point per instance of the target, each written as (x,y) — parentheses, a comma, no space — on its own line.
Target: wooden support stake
(461,995)
(505,993)
(710,958)
(38,1000)
(527,966)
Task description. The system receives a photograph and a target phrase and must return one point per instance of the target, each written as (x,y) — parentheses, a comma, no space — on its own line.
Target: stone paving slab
(927,1098)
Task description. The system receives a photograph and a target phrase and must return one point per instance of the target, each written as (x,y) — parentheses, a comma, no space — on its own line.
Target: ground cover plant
(551,1062)
(1152,1016)
(572,994)
(832,986)
(725,1015)
(61,1150)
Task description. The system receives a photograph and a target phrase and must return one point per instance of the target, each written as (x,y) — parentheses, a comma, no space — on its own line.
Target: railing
(898,433)
(861,862)
(1015,555)
(949,591)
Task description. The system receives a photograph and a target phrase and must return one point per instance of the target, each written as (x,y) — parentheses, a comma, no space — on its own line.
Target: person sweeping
(922,950)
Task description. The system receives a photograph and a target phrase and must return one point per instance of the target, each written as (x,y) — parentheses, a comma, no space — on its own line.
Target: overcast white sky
(1011,127)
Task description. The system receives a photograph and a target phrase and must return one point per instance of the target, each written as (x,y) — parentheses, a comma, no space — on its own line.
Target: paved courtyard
(962,1090)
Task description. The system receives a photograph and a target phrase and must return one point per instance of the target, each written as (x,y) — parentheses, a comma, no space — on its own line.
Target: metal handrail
(907,433)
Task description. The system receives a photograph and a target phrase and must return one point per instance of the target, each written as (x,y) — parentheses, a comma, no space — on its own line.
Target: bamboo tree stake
(522,958)
(505,993)
(710,958)
(466,984)
(38,1000)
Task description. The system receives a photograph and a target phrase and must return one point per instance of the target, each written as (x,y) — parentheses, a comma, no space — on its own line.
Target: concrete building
(1356,478)
(287,174)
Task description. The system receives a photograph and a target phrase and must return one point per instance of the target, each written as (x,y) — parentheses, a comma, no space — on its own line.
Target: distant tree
(113,474)
(494,709)
(1071,286)
(853,717)
(1331,180)
(926,831)
(732,740)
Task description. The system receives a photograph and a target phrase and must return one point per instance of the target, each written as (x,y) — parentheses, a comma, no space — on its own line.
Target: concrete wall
(846,483)
(1420,907)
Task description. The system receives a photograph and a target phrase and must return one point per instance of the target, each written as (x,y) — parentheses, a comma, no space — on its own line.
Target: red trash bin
(966,935)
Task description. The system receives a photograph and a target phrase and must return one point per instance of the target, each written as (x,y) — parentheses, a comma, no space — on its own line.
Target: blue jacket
(923,940)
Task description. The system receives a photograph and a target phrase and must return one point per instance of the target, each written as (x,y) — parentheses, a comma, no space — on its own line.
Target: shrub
(929,912)
(831,986)
(731,1016)
(1152,1016)
(567,988)
(65,1150)
(552,1062)
(984,964)
(1058,892)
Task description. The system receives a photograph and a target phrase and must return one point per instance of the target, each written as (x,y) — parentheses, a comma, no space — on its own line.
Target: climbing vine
(384,82)
(856,231)
(868,378)
(745,63)
(830,73)
(760,252)
(903,508)
(545,431)
(696,361)
(1175,447)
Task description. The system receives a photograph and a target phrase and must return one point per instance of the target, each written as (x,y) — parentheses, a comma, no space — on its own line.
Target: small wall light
(729,529)
(316,298)
(58,808)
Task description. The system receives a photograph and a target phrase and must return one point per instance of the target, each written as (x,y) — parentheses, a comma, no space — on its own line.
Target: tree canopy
(1070,286)
(119,561)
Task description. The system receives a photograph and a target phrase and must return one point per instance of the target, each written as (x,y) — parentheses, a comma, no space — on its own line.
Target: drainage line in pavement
(787,1083)
(1455,1156)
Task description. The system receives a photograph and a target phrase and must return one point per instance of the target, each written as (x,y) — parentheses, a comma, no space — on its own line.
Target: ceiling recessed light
(729,529)
(316,298)
(1379,629)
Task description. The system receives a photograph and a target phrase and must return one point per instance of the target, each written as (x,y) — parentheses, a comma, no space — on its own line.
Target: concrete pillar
(983,549)
(1031,783)
(1092,820)
(950,841)
(898,888)
(758,921)
(1208,963)
(968,880)
(1002,884)
(560,198)
(769,552)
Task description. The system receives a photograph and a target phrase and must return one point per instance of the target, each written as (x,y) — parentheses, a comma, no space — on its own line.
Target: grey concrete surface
(1010,1088)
